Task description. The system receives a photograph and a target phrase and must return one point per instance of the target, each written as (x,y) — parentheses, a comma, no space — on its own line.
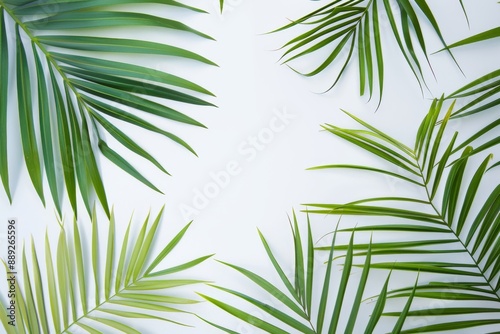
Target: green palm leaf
(4,74)
(482,94)
(346,26)
(294,307)
(447,218)
(65,286)
(89,92)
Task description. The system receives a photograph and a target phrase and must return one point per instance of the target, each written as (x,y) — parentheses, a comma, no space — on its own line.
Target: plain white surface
(268,182)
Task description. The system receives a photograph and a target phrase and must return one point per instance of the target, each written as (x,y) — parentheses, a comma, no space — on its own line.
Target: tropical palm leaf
(354,25)
(483,90)
(293,302)
(479,95)
(454,234)
(131,286)
(79,97)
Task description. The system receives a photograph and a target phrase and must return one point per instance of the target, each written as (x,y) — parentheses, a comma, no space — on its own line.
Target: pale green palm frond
(445,230)
(129,285)
(82,95)
(293,305)
(353,27)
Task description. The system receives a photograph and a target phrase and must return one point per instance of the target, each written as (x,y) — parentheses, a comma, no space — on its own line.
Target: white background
(251,86)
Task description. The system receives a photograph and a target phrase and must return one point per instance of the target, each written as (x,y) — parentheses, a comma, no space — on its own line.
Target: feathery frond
(293,303)
(131,286)
(454,234)
(77,100)
(353,27)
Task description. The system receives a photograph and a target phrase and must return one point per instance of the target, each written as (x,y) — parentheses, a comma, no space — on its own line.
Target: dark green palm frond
(128,286)
(294,304)
(482,94)
(350,27)
(454,235)
(77,101)
(483,91)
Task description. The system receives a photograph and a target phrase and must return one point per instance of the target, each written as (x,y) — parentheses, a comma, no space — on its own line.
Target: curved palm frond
(293,304)
(354,25)
(130,286)
(455,235)
(80,92)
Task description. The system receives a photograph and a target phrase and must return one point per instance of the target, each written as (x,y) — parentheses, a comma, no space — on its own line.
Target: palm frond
(92,94)
(480,95)
(131,286)
(484,92)
(294,304)
(349,27)
(454,234)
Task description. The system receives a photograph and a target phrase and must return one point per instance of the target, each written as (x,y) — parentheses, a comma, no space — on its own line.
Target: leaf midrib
(106,300)
(441,217)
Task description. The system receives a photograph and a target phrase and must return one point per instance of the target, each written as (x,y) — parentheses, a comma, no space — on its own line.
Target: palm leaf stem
(96,308)
(443,220)
(309,317)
